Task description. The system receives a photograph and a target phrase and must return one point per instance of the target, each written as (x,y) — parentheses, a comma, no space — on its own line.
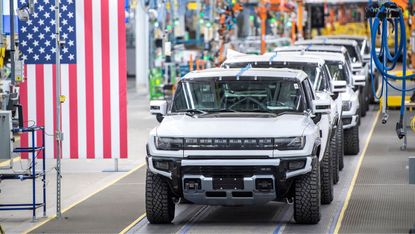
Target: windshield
(353,53)
(347,57)
(267,95)
(339,72)
(309,68)
(359,43)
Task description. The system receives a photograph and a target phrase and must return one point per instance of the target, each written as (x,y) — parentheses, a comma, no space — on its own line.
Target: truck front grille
(228,171)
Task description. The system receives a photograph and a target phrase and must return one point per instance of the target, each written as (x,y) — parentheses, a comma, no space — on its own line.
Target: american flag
(94,115)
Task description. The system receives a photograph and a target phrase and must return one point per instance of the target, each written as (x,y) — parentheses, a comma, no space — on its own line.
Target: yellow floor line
(359,164)
(126,229)
(85,198)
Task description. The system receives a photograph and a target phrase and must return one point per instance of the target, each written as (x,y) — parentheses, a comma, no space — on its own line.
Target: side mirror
(339,86)
(359,80)
(321,106)
(158,108)
(356,66)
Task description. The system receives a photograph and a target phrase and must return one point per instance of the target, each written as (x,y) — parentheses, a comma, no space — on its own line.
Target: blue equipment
(380,15)
(33,150)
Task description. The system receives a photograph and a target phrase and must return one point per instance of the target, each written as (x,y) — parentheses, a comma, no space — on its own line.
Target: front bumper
(232,181)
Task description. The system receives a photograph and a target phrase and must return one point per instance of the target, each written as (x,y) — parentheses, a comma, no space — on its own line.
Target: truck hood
(187,126)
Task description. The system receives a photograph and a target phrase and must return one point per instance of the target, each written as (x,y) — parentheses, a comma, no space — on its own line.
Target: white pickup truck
(237,137)
(340,70)
(325,88)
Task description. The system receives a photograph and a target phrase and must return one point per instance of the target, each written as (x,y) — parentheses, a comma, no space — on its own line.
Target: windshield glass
(347,57)
(353,53)
(309,68)
(338,71)
(244,95)
(359,43)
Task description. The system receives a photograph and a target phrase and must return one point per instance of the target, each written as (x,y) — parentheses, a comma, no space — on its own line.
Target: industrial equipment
(33,152)
(382,16)
(6,136)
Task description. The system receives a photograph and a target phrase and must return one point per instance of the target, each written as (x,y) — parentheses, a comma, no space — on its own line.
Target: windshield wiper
(192,112)
(221,110)
(266,112)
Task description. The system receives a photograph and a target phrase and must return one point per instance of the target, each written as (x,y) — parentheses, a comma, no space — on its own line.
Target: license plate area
(228,183)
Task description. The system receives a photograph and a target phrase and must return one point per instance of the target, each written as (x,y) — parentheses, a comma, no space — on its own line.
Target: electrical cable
(389,13)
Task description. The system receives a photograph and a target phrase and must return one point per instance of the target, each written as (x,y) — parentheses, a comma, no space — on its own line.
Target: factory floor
(81,178)
(373,195)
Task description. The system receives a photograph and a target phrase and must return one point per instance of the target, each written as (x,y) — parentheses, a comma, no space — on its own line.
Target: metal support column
(12,45)
(198,6)
(58,134)
(44,173)
(34,178)
(142,48)
(1,25)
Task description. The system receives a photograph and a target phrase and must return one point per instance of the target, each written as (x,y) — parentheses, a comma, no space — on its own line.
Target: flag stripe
(54,108)
(73,111)
(40,112)
(89,80)
(81,79)
(32,99)
(54,128)
(65,112)
(49,108)
(122,62)
(24,140)
(106,107)
(98,76)
(114,82)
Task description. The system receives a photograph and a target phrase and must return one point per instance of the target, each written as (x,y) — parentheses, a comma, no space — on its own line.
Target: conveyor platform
(376,200)
(382,201)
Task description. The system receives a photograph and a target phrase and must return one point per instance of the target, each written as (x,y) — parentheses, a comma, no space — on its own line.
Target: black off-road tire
(307,196)
(160,207)
(326,176)
(370,88)
(340,145)
(367,95)
(362,103)
(351,141)
(334,159)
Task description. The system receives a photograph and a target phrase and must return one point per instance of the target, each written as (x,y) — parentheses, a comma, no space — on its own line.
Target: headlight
(289,143)
(163,165)
(346,105)
(168,143)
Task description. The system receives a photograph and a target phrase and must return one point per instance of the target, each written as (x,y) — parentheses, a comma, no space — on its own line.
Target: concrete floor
(270,218)
(382,200)
(81,178)
(117,206)
(114,208)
